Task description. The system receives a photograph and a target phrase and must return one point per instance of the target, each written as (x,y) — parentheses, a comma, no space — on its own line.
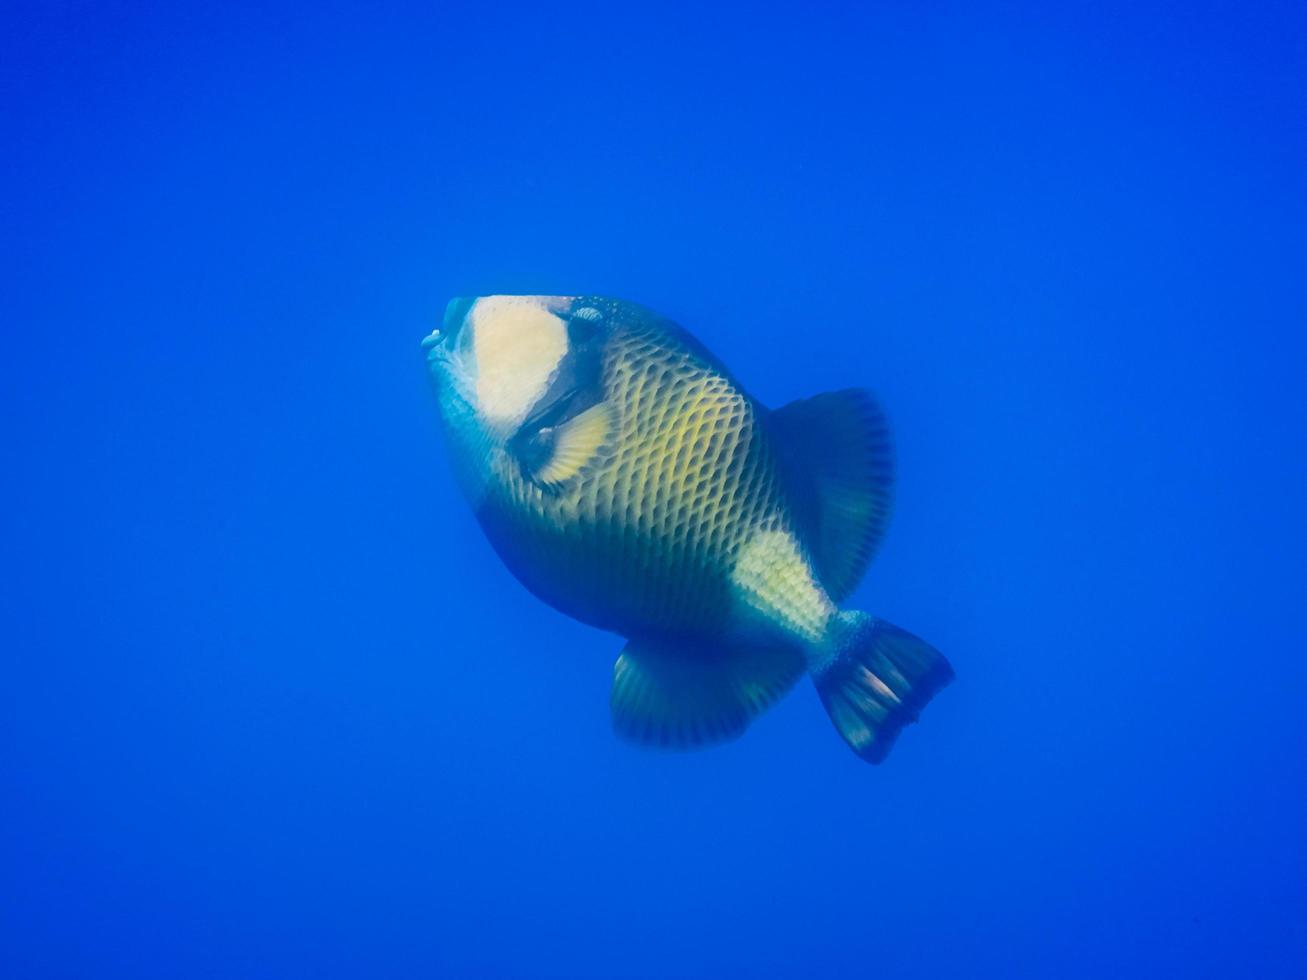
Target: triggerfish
(625,477)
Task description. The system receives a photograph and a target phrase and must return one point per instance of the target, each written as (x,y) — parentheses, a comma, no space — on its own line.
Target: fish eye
(584,323)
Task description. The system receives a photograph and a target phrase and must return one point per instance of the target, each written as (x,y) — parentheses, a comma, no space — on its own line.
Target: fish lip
(440,343)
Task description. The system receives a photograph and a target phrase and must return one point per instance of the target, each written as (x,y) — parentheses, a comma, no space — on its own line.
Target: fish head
(521,377)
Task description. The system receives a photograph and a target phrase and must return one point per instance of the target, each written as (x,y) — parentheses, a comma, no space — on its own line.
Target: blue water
(272,708)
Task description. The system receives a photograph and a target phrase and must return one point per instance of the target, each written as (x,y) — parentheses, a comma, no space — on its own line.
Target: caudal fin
(875,679)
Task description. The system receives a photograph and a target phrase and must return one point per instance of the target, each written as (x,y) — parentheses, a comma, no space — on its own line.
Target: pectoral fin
(553,455)
(679,696)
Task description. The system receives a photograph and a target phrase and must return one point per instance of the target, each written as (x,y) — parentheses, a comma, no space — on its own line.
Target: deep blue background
(271,708)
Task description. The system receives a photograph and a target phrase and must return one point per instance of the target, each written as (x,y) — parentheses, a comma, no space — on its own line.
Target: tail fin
(875,679)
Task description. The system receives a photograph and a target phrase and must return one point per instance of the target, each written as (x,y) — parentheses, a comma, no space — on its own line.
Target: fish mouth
(438,352)
(456,313)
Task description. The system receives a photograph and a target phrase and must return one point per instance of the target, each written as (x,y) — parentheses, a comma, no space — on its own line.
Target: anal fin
(678,695)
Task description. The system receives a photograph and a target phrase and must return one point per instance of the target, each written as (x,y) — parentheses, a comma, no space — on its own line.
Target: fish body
(628,480)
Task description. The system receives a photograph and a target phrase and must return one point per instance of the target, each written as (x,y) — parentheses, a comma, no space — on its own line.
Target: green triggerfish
(629,481)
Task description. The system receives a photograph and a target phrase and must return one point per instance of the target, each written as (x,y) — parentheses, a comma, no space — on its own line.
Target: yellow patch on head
(518,343)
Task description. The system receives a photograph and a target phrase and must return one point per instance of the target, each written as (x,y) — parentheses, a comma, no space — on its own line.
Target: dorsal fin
(684,696)
(836,451)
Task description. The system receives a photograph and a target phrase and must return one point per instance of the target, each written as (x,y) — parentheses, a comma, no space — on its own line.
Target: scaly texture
(645,540)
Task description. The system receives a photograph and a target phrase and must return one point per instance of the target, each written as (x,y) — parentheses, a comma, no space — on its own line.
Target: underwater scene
(653,491)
